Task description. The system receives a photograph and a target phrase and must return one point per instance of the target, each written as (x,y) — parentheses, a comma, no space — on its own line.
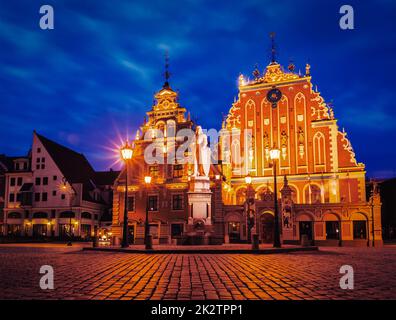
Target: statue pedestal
(199,227)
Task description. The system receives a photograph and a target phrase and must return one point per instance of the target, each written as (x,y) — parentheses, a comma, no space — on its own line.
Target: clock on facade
(273,96)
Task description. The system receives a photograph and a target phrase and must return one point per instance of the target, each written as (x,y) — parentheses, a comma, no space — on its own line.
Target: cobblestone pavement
(102,275)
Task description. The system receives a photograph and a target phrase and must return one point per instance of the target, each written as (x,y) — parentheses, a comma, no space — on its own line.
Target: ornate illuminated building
(167,198)
(323,193)
(321,188)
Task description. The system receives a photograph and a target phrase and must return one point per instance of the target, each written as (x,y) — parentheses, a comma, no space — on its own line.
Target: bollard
(255,242)
(95,239)
(149,243)
(305,241)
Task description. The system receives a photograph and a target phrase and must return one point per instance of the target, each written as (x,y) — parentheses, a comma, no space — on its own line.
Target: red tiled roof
(74,166)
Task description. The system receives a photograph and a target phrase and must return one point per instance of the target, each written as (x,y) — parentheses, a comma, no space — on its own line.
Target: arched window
(294,194)
(241,196)
(171,128)
(161,127)
(313,194)
(319,148)
(235,152)
(14,215)
(86,215)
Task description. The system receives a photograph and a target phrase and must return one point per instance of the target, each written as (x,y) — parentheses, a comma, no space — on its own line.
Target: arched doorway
(360,226)
(332,226)
(305,225)
(267,227)
(234,227)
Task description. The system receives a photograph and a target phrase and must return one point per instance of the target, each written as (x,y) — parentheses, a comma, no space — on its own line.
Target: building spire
(166,73)
(273,48)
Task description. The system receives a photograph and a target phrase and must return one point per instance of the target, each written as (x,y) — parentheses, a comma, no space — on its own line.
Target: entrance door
(306,228)
(176,230)
(267,228)
(234,232)
(131,234)
(39,230)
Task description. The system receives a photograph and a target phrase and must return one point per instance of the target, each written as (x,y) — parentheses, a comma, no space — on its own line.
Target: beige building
(54,192)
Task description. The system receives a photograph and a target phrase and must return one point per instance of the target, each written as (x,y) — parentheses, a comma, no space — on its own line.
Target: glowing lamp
(274,154)
(217,176)
(147,179)
(126,152)
(248,179)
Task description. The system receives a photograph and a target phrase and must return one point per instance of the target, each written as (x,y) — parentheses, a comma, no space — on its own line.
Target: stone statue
(283,138)
(201,154)
(300,136)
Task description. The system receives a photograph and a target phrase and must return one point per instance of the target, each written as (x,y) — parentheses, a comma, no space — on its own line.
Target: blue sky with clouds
(93,77)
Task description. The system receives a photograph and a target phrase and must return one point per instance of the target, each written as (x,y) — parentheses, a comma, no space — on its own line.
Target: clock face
(274,95)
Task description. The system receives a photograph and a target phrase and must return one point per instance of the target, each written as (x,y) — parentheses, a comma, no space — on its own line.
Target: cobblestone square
(106,275)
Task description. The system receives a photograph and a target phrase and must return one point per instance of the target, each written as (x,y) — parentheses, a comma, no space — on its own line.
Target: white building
(54,190)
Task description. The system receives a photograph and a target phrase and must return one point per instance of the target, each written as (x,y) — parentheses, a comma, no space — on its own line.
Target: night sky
(91,79)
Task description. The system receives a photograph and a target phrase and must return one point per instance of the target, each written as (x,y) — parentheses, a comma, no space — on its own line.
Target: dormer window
(38,150)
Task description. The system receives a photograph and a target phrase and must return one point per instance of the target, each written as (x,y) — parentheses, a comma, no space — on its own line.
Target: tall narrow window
(177,202)
(332,230)
(153,171)
(131,203)
(177,171)
(359,229)
(153,203)
(319,148)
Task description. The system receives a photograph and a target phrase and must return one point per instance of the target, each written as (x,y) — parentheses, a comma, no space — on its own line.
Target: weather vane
(166,73)
(273,50)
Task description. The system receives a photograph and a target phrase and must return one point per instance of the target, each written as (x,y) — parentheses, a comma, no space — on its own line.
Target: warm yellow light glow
(248,179)
(274,154)
(147,179)
(217,176)
(126,152)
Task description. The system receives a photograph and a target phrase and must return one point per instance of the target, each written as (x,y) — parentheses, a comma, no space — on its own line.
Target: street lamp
(64,188)
(274,155)
(126,154)
(147,243)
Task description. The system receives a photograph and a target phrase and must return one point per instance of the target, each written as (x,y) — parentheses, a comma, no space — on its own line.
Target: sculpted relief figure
(201,154)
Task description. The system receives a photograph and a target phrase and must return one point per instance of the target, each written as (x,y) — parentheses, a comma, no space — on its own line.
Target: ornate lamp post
(126,154)
(251,214)
(274,155)
(250,221)
(147,243)
(64,188)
